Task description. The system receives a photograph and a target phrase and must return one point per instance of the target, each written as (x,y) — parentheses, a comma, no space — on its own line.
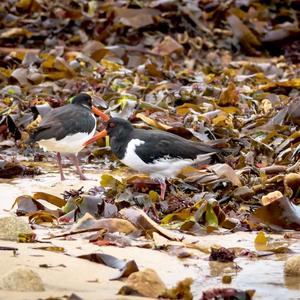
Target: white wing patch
(161,168)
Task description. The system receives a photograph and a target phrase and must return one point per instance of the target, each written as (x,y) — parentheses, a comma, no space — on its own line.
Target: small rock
(145,283)
(292,266)
(226,279)
(22,279)
(11,227)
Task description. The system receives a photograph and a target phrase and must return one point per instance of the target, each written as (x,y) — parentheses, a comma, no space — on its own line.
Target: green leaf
(211,218)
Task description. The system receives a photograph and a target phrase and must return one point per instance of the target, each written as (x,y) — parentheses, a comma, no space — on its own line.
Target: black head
(83,100)
(117,127)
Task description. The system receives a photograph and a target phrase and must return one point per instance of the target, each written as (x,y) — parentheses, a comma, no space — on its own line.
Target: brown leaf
(222,255)
(135,18)
(39,217)
(15,32)
(167,47)
(182,290)
(126,268)
(95,50)
(225,171)
(111,224)
(140,219)
(153,122)
(280,212)
(243,34)
(229,96)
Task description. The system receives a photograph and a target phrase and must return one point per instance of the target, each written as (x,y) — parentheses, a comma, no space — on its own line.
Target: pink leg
(74,158)
(163,187)
(58,156)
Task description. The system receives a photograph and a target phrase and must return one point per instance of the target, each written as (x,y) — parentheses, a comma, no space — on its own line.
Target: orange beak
(96,137)
(100,113)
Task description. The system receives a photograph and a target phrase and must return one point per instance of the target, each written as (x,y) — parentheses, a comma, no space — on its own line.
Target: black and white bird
(160,154)
(65,129)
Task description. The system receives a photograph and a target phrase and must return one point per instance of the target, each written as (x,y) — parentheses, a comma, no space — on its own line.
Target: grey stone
(22,279)
(11,227)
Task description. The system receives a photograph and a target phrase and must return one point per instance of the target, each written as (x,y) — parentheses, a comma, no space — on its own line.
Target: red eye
(112,125)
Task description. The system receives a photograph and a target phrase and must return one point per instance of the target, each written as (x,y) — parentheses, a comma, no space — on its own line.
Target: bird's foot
(83,177)
(163,187)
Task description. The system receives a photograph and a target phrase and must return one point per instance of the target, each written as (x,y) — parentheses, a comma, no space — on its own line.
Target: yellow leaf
(261,238)
(229,96)
(15,32)
(154,196)
(49,198)
(186,108)
(108,180)
(5,72)
(229,109)
(23,4)
(111,66)
(219,119)
(293,83)
(51,248)
(153,122)
(48,62)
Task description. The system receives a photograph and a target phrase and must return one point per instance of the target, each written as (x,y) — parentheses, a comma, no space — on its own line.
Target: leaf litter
(226,73)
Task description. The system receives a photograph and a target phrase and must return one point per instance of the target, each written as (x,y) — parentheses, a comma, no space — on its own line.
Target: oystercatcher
(160,154)
(65,129)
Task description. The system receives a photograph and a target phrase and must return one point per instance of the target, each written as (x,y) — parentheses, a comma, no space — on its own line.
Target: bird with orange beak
(65,129)
(160,154)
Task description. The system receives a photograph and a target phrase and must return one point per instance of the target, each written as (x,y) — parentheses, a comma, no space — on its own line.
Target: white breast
(131,159)
(69,144)
(161,168)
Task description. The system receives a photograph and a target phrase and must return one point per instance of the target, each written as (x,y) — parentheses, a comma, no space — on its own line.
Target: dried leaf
(142,221)
(153,122)
(136,18)
(281,212)
(225,171)
(167,47)
(59,202)
(126,268)
(229,96)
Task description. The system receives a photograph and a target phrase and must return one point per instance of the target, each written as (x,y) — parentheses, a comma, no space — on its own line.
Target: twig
(74,232)
(274,169)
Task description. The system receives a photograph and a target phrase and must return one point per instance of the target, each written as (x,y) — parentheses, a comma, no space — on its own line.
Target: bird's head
(117,127)
(85,100)
(114,127)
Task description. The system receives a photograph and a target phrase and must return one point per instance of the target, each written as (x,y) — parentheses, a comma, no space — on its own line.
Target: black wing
(63,121)
(159,144)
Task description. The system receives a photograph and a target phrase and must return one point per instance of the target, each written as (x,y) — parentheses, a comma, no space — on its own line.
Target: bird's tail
(205,159)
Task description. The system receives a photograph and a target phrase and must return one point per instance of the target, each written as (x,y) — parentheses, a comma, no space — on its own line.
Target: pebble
(22,279)
(11,227)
